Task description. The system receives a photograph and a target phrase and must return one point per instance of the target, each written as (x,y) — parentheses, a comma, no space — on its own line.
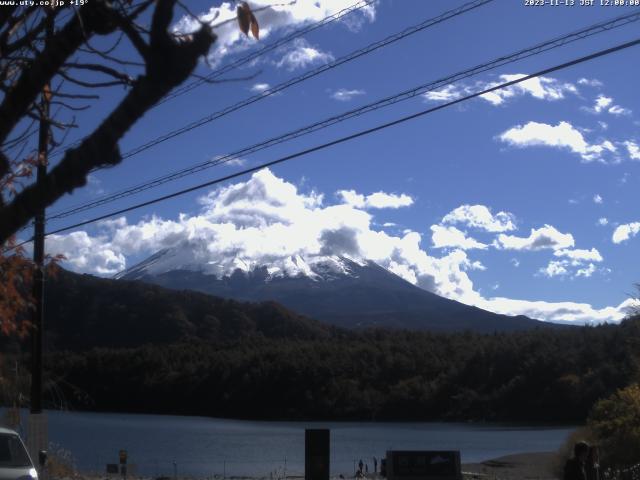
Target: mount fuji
(340,290)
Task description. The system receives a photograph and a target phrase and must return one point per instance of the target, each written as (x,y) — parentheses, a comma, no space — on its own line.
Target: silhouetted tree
(46,54)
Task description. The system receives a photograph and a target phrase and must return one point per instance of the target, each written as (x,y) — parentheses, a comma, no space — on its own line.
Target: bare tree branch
(12,25)
(77,96)
(169,64)
(136,39)
(4,165)
(111,58)
(6,13)
(27,132)
(29,37)
(96,17)
(86,84)
(70,107)
(23,147)
(115,45)
(123,77)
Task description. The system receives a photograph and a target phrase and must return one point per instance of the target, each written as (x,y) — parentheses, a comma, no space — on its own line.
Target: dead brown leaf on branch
(247,20)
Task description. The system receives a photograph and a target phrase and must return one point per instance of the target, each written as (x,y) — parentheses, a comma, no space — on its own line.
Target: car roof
(7,430)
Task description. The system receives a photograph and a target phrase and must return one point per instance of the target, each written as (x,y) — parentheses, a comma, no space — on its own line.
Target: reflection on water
(161,445)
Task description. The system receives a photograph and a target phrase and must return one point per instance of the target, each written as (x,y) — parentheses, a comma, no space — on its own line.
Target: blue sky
(520,202)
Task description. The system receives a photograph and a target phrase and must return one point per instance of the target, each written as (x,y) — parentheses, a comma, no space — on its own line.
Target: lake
(162,445)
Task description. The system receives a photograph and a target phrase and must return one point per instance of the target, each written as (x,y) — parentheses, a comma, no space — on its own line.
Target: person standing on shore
(375,465)
(576,467)
(361,465)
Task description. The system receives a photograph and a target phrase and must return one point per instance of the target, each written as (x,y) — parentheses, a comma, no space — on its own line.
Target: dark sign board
(423,465)
(316,454)
(113,468)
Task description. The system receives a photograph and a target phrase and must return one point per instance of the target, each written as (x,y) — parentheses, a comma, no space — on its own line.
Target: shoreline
(448,421)
(531,465)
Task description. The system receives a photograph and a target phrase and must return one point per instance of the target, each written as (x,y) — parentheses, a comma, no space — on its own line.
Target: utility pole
(37,438)
(38,260)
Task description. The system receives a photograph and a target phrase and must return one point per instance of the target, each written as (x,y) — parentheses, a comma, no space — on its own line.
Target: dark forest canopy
(543,375)
(141,348)
(84,311)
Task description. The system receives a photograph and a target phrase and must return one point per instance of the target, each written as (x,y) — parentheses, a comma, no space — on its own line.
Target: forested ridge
(133,347)
(84,311)
(540,375)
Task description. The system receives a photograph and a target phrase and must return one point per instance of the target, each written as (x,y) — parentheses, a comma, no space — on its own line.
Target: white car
(15,462)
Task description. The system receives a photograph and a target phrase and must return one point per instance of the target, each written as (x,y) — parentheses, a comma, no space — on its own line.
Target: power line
(309,74)
(359,134)
(362,133)
(312,73)
(267,48)
(360,4)
(405,95)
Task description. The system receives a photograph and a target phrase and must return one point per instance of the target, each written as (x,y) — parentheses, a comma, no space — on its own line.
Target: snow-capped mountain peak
(345,291)
(316,267)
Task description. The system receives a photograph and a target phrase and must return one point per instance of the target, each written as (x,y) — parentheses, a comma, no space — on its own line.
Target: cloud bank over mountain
(267,219)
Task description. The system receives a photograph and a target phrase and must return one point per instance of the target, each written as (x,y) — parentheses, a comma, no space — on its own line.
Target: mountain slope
(85,312)
(342,291)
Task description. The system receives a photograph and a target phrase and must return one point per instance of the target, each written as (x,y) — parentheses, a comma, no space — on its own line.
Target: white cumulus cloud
(587,271)
(480,217)
(546,237)
(303,55)
(602,103)
(445,94)
(605,104)
(266,220)
(564,135)
(375,200)
(579,255)
(344,95)
(624,232)
(451,237)
(573,264)
(260,87)
(541,88)
(86,253)
(590,82)
(633,149)
(618,110)
(565,312)
(555,268)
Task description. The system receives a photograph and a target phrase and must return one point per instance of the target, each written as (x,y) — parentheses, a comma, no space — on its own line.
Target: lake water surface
(204,447)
